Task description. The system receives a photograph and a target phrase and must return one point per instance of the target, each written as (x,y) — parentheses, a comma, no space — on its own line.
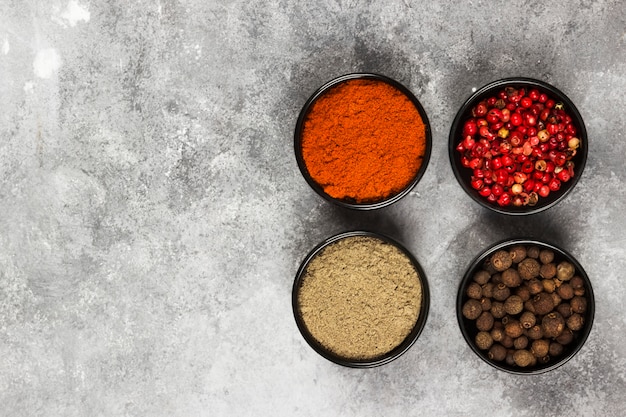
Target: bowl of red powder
(362,141)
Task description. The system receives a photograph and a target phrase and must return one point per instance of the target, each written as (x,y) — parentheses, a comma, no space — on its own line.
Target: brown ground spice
(360,297)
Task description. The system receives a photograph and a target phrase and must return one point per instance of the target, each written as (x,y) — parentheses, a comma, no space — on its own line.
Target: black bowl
(387,357)
(463,174)
(349,203)
(468,327)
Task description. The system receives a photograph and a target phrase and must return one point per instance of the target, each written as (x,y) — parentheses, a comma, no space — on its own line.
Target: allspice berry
(535,332)
(543,304)
(501,260)
(546,256)
(518,253)
(496,278)
(511,278)
(527,319)
(497,352)
(578,304)
(533,252)
(523,293)
(528,268)
(556,349)
(565,271)
(556,299)
(548,285)
(521,342)
(513,305)
(523,358)
(488,290)
(472,309)
(513,329)
(483,340)
(553,325)
(484,322)
(540,348)
(474,290)
(566,337)
(575,322)
(565,291)
(501,292)
(547,271)
(577,282)
(534,286)
(497,334)
(497,309)
(579,292)
(485,303)
(507,341)
(509,357)
(564,309)
(482,277)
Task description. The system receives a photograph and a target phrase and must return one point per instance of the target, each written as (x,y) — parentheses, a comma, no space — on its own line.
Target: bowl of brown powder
(360,299)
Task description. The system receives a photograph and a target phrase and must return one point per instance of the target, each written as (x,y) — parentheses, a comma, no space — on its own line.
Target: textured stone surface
(153,215)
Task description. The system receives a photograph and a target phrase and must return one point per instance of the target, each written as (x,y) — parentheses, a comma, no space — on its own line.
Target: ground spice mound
(363,140)
(360,297)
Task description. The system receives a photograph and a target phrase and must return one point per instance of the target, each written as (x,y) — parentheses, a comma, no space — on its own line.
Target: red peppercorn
(477,184)
(485,191)
(543,98)
(554,184)
(516,119)
(544,191)
(563,175)
(504,200)
(526,102)
(534,94)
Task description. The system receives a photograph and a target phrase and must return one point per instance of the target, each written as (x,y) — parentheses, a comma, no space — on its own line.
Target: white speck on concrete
(46,63)
(72,14)
(28,87)
(5,46)
(473,89)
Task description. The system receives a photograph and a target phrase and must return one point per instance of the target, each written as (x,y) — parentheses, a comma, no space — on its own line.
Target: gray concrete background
(153,215)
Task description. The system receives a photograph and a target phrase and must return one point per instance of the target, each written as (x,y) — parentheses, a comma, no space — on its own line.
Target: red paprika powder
(363,141)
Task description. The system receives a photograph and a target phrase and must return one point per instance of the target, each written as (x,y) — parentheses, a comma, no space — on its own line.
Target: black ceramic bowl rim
(389,356)
(465,323)
(298,141)
(463,174)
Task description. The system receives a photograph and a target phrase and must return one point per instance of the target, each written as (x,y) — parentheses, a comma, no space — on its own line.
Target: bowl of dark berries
(518,146)
(525,306)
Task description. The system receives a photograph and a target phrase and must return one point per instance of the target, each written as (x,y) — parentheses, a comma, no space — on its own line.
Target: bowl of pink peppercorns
(518,146)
